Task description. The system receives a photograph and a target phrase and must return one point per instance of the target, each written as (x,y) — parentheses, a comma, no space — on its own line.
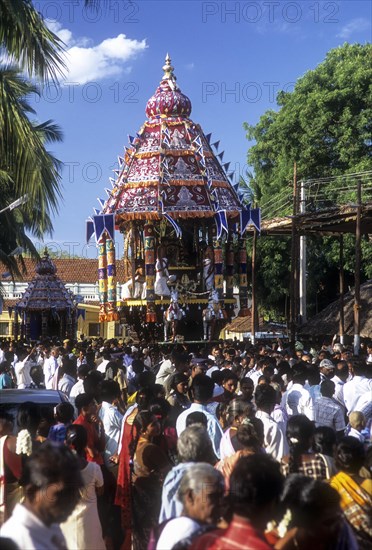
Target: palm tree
(28,41)
(26,166)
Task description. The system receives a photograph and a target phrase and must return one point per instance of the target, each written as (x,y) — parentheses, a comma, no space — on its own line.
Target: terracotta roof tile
(69,270)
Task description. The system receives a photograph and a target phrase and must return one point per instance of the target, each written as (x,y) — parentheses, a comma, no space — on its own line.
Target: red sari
(123,496)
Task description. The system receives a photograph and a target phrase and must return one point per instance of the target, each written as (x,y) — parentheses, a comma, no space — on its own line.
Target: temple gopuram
(181,220)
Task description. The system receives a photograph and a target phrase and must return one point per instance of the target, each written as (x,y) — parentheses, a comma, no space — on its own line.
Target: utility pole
(254,306)
(294,263)
(302,291)
(342,290)
(358,237)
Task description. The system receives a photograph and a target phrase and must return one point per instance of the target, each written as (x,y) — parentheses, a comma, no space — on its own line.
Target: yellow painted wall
(104,330)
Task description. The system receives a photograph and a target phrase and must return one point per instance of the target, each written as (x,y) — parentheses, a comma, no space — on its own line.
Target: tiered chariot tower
(179,214)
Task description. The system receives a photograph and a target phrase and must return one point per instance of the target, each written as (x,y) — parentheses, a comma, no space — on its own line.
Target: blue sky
(230,58)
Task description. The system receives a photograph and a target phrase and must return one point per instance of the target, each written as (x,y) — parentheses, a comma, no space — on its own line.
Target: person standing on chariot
(161,287)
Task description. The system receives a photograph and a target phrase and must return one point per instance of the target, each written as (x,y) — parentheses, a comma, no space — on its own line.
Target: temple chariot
(180,220)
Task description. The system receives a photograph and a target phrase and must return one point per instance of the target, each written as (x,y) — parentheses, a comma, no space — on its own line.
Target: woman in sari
(149,466)
(123,496)
(355,491)
(237,411)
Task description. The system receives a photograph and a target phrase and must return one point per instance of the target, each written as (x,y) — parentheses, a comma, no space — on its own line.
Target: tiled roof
(69,270)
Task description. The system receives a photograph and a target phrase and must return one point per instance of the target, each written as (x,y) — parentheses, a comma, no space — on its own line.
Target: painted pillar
(27,325)
(102,278)
(44,324)
(229,276)
(149,237)
(111,311)
(16,325)
(218,268)
(243,281)
(229,269)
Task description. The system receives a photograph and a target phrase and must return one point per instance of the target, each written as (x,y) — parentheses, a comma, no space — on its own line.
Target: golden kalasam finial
(168,71)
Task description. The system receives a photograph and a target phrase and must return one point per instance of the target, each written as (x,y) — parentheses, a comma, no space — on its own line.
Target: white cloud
(355,25)
(86,63)
(190,66)
(64,34)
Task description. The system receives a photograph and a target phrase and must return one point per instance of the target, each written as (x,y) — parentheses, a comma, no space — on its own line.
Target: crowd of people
(233,445)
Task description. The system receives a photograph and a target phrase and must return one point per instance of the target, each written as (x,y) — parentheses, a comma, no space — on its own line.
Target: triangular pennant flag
(120,161)
(99,227)
(109,220)
(104,223)
(226,166)
(197,140)
(101,202)
(208,137)
(96,211)
(245,218)
(230,175)
(108,192)
(221,222)
(112,181)
(256,218)
(89,230)
(130,139)
(220,155)
(117,172)
(216,144)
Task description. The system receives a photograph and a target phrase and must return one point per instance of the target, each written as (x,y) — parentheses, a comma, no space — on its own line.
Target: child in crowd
(64,415)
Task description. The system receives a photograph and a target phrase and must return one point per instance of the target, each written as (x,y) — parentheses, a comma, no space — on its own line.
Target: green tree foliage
(324,125)
(29,49)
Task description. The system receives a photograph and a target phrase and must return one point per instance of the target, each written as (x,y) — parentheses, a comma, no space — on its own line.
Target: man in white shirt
(275,442)
(297,399)
(327,412)
(357,386)
(111,418)
(68,379)
(256,372)
(202,389)
(52,482)
(339,379)
(51,365)
(23,368)
(166,369)
(78,387)
(106,359)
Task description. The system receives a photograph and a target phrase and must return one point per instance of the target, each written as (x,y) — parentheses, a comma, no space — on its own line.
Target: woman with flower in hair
(301,460)
(237,410)
(247,440)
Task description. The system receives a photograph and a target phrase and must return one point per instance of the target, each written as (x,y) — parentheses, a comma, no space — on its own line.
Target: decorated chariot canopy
(169,167)
(181,217)
(46,304)
(46,290)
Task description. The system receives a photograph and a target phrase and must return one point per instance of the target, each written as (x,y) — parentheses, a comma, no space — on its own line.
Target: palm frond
(29,41)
